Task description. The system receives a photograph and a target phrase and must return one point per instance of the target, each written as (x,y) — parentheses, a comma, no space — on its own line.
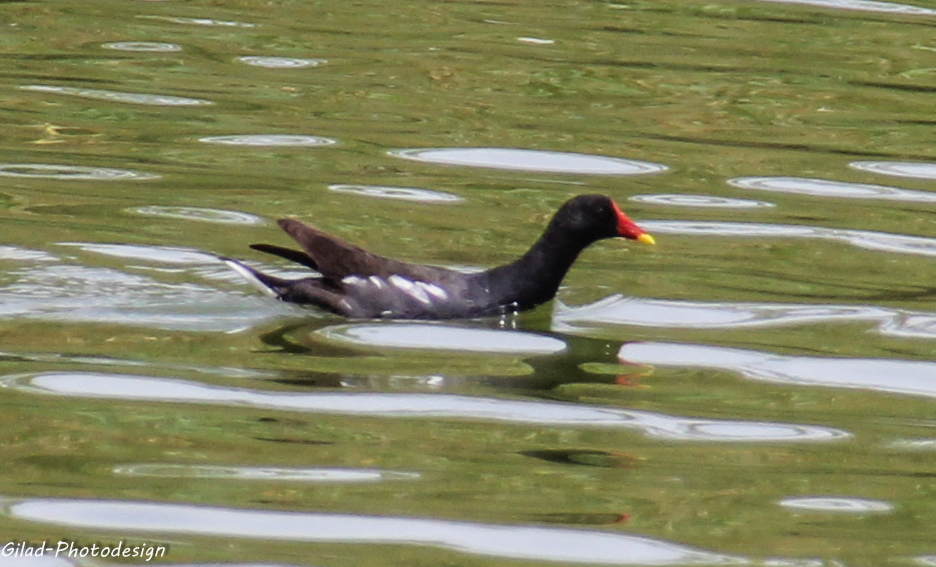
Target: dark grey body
(358,284)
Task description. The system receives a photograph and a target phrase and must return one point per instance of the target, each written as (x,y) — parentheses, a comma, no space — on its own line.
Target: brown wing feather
(295,255)
(337,259)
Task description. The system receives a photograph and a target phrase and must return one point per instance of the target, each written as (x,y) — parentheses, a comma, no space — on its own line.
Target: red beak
(627,229)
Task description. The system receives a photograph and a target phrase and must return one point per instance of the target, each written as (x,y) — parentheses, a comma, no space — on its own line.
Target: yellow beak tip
(646,239)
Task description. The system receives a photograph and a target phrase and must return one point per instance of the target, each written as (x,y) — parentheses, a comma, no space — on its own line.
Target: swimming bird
(358,284)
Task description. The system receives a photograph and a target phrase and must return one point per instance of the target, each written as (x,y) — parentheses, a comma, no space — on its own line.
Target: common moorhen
(356,283)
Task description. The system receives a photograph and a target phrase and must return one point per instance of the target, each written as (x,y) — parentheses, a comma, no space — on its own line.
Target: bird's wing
(336,259)
(297,256)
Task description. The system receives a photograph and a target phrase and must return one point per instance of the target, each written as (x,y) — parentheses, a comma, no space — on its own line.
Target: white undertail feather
(248,275)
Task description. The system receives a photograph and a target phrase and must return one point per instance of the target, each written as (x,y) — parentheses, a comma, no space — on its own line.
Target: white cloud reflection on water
(833,189)
(531,160)
(319,475)
(533,543)
(869,240)
(699,201)
(41,286)
(909,377)
(428,336)
(663,313)
(399,405)
(911,169)
(863,5)
(836,505)
(117,96)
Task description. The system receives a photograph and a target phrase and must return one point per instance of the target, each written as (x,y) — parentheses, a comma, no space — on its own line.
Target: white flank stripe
(409,287)
(433,289)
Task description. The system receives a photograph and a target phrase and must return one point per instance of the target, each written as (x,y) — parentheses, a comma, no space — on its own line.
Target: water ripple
(435,406)
(633,311)
(72,172)
(399,193)
(199,21)
(45,560)
(866,239)
(827,188)
(837,504)
(25,254)
(531,160)
(198,214)
(921,444)
(916,170)
(908,377)
(117,96)
(310,475)
(700,201)
(441,337)
(142,46)
(863,5)
(280,62)
(48,290)
(620,310)
(271,140)
(532,543)
(162,254)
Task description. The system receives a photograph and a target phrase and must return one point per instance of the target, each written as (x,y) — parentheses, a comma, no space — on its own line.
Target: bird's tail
(270,285)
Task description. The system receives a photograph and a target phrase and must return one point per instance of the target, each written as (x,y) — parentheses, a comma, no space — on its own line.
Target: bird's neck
(535,277)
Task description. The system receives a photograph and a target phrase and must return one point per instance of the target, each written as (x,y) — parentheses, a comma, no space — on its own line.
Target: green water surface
(712,90)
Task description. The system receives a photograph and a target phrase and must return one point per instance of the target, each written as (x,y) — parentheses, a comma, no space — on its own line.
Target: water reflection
(700,201)
(270,140)
(863,5)
(924,444)
(507,541)
(142,46)
(531,160)
(837,505)
(162,254)
(620,310)
(98,361)
(880,241)
(132,98)
(43,287)
(917,170)
(827,188)
(910,325)
(399,193)
(910,377)
(441,337)
(280,62)
(74,172)
(25,254)
(43,561)
(198,214)
(199,21)
(715,228)
(394,405)
(588,458)
(309,475)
